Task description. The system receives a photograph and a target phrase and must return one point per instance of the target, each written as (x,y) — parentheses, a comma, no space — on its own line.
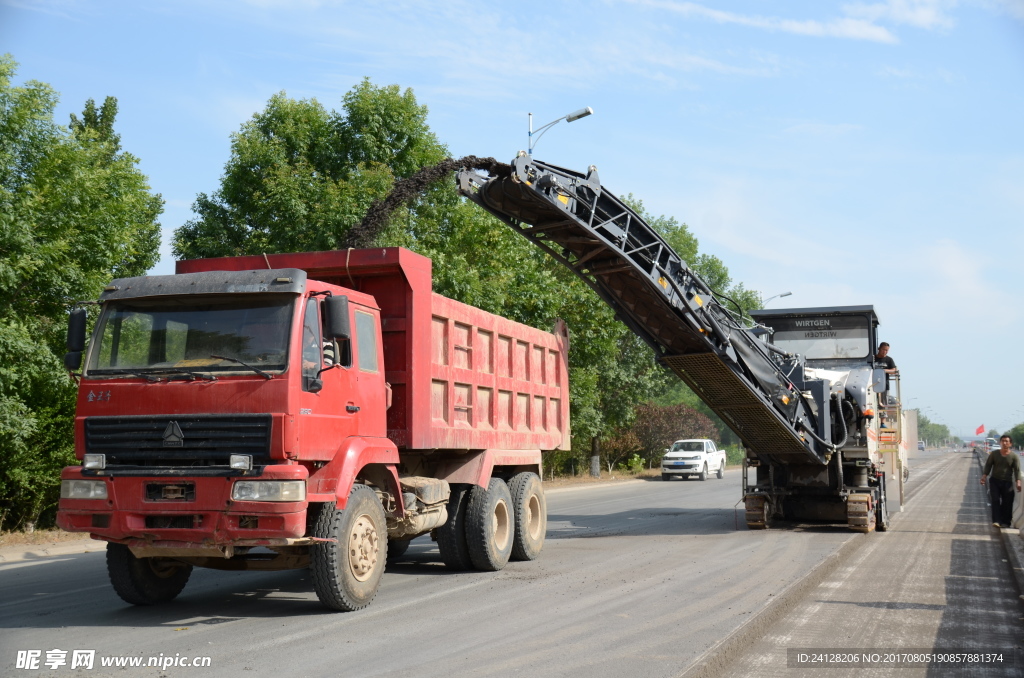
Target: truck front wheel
(531,516)
(144,581)
(489,525)
(347,570)
(703,475)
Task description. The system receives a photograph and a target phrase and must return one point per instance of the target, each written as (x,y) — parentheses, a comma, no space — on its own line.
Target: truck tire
(703,475)
(346,571)
(490,528)
(144,581)
(451,537)
(666,476)
(721,471)
(530,510)
(397,548)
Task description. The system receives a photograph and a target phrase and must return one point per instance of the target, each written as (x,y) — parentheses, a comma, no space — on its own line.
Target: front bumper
(682,469)
(208,516)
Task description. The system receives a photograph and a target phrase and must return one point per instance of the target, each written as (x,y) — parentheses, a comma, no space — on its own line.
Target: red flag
(981,430)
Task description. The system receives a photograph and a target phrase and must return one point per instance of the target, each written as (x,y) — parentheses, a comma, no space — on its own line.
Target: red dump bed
(462,378)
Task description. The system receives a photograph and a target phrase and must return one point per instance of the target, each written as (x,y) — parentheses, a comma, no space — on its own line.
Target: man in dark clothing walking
(1003,470)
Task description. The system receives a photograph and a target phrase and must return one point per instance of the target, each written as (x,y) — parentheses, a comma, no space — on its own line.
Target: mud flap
(860,512)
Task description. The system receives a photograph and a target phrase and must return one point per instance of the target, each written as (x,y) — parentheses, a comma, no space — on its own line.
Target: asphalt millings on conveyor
(365,233)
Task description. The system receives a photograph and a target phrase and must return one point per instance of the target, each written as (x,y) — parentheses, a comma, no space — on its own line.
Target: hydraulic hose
(841,419)
(834,446)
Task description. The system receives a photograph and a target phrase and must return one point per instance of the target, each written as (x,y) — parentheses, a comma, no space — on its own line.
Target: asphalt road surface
(639,579)
(937,583)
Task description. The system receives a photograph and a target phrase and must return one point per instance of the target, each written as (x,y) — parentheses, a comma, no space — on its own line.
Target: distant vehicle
(920,445)
(695,457)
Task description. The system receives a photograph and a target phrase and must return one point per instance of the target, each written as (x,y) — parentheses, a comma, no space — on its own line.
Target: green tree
(1017,435)
(300,176)
(934,433)
(74,211)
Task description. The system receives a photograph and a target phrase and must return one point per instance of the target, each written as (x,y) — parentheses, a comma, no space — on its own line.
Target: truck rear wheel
(144,581)
(530,510)
(721,471)
(451,537)
(347,570)
(490,526)
(397,548)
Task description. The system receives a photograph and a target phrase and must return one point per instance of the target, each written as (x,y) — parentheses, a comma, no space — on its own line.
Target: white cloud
(926,14)
(853,28)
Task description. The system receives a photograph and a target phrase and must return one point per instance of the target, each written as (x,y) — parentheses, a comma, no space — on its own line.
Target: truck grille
(179,441)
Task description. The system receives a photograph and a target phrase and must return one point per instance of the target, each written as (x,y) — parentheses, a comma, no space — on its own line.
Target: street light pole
(775,296)
(571,117)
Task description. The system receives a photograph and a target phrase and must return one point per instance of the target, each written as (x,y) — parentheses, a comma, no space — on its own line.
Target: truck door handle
(351,408)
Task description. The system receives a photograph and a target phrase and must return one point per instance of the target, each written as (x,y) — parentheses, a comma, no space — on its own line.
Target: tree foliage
(931,431)
(654,429)
(1017,435)
(300,176)
(74,211)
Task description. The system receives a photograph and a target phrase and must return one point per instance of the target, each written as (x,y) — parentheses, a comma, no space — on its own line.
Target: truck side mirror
(336,322)
(76,339)
(76,330)
(72,360)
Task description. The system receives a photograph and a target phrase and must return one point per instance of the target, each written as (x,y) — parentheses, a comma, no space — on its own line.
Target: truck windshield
(688,446)
(823,338)
(152,335)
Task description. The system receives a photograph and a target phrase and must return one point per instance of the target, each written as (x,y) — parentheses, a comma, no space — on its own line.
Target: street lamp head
(775,296)
(582,113)
(575,115)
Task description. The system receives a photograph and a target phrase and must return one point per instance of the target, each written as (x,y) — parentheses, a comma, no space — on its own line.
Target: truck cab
(695,457)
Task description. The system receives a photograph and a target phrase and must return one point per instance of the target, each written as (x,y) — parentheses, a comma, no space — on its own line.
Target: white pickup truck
(695,457)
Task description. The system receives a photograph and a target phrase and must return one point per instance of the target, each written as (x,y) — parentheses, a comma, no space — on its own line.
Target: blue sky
(848,152)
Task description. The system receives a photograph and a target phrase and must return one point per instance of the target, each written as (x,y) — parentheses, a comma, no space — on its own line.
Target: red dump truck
(307,410)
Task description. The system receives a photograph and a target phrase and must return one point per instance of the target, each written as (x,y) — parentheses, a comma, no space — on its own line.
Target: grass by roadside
(615,477)
(39,537)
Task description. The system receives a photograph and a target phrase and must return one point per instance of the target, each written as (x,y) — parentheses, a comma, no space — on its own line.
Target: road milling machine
(820,423)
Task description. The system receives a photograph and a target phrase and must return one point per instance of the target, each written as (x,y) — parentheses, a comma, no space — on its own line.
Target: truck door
(324,420)
(370,394)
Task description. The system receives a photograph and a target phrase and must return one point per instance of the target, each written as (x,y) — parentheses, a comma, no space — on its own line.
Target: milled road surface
(938,581)
(639,579)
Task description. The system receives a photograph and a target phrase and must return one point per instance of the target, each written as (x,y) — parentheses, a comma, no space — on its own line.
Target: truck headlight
(95,462)
(269,490)
(83,489)
(240,461)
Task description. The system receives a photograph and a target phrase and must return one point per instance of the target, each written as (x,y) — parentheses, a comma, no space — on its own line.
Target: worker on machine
(883,360)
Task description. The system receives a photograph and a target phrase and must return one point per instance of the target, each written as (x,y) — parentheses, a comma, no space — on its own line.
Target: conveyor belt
(631,267)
